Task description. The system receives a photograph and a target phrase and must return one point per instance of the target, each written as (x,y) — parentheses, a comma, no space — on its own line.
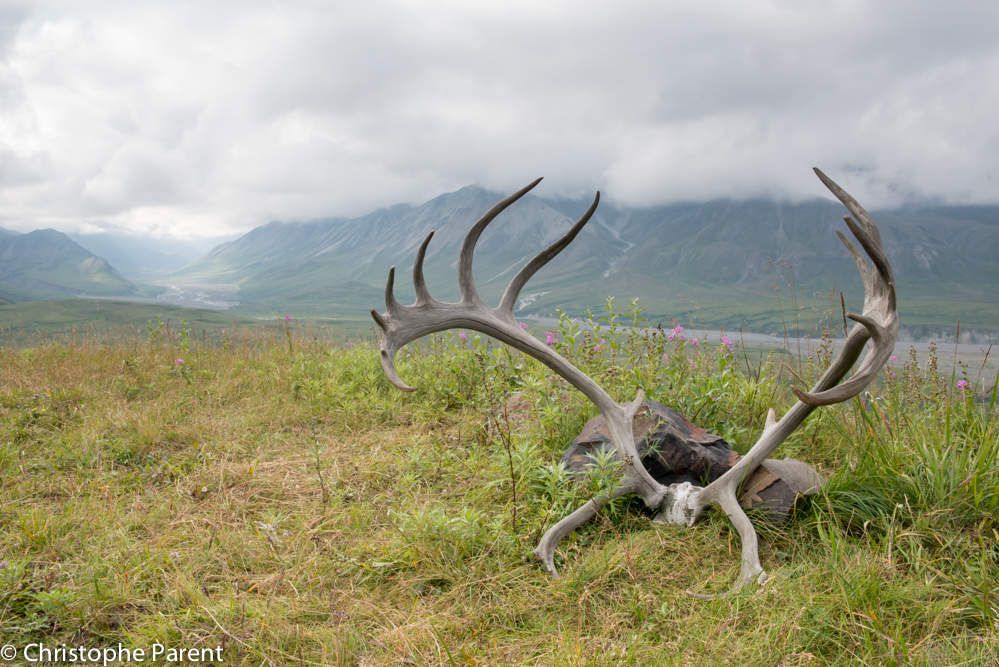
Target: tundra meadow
(269,492)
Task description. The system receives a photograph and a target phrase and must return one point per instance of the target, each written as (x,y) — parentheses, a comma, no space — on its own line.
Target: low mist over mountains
(142,257)
(758,264)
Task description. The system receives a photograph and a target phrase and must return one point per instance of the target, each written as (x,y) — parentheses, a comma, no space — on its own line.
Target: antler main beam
(676,503)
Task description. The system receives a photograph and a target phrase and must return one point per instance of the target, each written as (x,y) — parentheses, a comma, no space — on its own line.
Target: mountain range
(763,265)
(46,264)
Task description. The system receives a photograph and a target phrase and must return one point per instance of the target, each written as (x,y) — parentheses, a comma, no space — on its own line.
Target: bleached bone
(675,503)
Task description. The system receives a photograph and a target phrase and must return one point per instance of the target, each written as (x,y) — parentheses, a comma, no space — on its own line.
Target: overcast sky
(211,117)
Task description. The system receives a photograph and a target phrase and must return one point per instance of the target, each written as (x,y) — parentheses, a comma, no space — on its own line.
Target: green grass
(79,320)
(772,311)
(275,495)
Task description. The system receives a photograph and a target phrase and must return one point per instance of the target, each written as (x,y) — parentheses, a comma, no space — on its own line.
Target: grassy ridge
(75,320)
(276,496)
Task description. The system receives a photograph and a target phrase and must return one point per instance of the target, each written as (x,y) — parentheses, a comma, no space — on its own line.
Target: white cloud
(204,118)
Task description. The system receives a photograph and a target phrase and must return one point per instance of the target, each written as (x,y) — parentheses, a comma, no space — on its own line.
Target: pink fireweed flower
(523,326)
(962,384)
(727,342)
(549,338)
(695,342)
(287,318)
(178,362)
(676,333)
(463,336)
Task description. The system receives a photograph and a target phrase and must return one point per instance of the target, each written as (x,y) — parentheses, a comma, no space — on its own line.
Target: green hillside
(46,264)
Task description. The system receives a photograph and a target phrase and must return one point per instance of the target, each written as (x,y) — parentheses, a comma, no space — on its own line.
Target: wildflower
(676,333)
(962,384)
(727,342)
(549,338)
(178,362)
(893,358)
(287,318)
(463,336)
(695,342)
(523,326)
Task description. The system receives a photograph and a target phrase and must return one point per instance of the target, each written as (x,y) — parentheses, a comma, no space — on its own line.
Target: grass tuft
(275,495)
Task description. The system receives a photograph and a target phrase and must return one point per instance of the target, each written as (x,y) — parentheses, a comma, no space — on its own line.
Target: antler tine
(866,231)
(388,367)
(388,346)
(545,551)
(877,254)
(379,320)
(391,304)
(850,203)
(466,282)
(862,266)
(513,289)
(419,283)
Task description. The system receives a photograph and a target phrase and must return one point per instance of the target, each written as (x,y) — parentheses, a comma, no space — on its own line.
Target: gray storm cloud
(206,118)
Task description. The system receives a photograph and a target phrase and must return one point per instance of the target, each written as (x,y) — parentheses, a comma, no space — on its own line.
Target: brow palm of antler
(674,503)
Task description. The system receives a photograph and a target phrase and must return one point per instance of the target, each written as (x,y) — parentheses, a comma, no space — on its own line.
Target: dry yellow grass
(290,506)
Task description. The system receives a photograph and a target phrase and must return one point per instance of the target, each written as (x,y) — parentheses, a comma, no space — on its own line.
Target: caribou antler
(676,503)
(878,323)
